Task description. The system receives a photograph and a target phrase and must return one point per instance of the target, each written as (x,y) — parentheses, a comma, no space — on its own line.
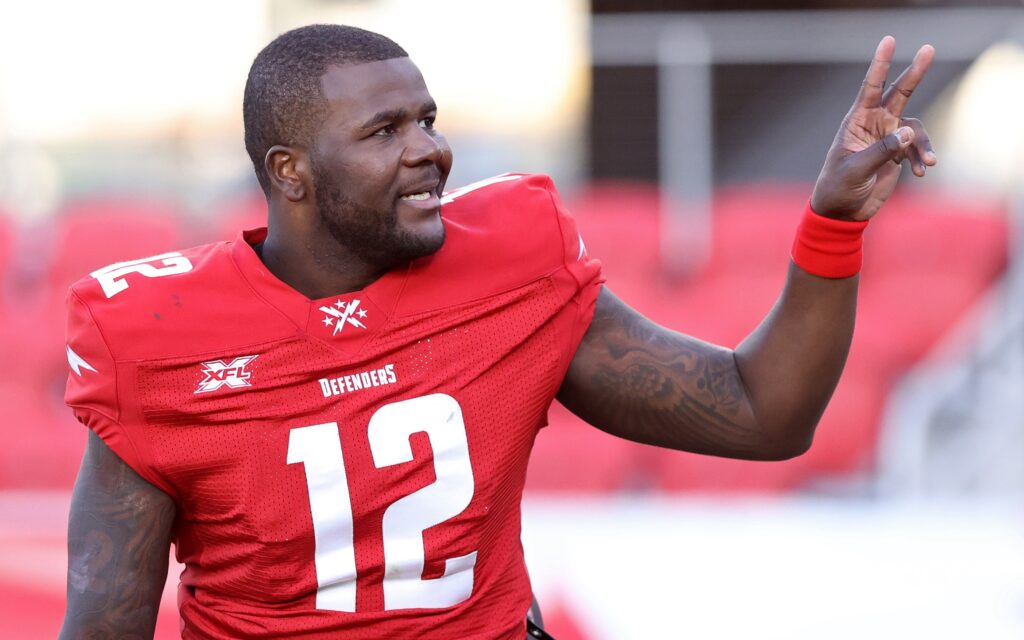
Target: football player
(330,417)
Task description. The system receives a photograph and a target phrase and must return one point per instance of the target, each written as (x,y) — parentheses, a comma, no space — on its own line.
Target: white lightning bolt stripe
(77,363)
(352,307)
(480,184)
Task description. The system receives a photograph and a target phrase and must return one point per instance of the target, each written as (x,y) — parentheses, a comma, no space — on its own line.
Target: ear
(288,169)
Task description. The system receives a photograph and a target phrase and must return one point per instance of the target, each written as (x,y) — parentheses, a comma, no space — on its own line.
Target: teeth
(417,196)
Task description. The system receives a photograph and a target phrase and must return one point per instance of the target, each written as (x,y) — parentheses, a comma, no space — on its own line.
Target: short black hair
(283,103)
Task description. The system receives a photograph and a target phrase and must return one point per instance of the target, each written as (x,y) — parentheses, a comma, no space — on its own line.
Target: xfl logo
(219,374)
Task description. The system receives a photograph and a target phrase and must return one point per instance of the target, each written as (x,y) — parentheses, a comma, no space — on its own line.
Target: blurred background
(685,136)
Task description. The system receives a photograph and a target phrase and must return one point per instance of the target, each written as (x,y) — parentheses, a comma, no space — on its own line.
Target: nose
(424,146)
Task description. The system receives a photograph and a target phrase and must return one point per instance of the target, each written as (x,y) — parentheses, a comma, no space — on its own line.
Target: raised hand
(864,162)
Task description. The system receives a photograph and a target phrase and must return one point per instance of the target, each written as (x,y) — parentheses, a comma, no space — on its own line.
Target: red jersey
(351,466)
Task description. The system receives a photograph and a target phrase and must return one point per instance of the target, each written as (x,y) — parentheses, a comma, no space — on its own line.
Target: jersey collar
(345,322)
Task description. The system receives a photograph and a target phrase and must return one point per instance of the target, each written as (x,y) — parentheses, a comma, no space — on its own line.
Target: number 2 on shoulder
(318,447)
(111,277)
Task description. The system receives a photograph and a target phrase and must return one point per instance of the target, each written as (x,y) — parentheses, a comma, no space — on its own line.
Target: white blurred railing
(955,425)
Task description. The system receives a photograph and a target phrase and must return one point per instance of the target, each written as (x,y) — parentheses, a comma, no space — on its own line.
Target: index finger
(870,94)
(898,94)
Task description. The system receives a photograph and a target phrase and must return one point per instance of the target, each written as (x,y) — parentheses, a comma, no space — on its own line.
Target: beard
(371,235)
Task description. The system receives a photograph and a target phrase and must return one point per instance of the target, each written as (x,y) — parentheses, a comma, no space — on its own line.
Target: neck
(312,263)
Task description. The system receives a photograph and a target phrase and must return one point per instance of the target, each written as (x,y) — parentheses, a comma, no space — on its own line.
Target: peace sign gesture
(864,161)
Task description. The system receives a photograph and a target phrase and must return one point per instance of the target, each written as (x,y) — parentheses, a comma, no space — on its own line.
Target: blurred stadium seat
(920,275)
(90,234)
(6,241)
(925,265)
(247,210)
(84,235)
(620,222)
(939,233)
(904,313)
(7,292)
(33,569)
(574,457)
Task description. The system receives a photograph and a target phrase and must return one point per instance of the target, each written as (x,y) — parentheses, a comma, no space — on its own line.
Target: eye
(385,131)
(427,123)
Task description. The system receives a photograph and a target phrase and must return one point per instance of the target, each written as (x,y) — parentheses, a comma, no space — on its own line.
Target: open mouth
(422,191)
(423,195)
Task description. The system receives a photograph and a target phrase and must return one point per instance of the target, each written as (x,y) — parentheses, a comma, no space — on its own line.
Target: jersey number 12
(318,447)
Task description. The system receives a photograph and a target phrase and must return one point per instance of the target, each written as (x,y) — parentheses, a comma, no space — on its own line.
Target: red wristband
(828,247)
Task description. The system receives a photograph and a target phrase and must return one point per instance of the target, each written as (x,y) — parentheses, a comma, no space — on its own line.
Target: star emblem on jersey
(77,363)
(234,374)
(343,314)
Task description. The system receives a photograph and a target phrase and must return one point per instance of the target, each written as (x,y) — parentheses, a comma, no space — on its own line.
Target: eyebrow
(393,115)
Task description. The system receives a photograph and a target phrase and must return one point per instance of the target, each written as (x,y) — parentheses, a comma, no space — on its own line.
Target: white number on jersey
(319,448)
(111,277)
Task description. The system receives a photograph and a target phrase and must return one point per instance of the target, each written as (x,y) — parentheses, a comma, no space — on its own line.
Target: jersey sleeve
(584,271)
(92,390)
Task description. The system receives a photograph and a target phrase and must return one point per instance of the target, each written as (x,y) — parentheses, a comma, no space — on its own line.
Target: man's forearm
(791,363)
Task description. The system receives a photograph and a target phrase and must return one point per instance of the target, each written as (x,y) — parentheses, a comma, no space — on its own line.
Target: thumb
(890,148)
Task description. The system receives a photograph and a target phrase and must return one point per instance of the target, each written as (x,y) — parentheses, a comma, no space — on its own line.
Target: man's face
(379,166)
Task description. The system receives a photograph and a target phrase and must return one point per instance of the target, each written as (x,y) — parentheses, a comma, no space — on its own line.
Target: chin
(432,242)
(426,238)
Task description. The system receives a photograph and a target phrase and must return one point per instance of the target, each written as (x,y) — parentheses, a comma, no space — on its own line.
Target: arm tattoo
(642,382)
(118,542)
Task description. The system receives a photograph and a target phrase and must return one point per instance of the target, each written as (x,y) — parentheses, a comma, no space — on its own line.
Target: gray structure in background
(684,47)
(954,427)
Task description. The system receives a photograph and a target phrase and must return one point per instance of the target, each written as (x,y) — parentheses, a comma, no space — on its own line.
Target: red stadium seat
(8,282)
(8,309)
(620,226)
(753,227)
(919,278)
(677,471)
(245,211)
(940,233)
(90,234)
(7,233)
(572,456)
(49,447)
(845,440)
(926,263)
(903,314)
(86,235)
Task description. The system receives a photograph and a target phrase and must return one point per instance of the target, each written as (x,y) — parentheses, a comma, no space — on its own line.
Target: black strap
(535,632)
